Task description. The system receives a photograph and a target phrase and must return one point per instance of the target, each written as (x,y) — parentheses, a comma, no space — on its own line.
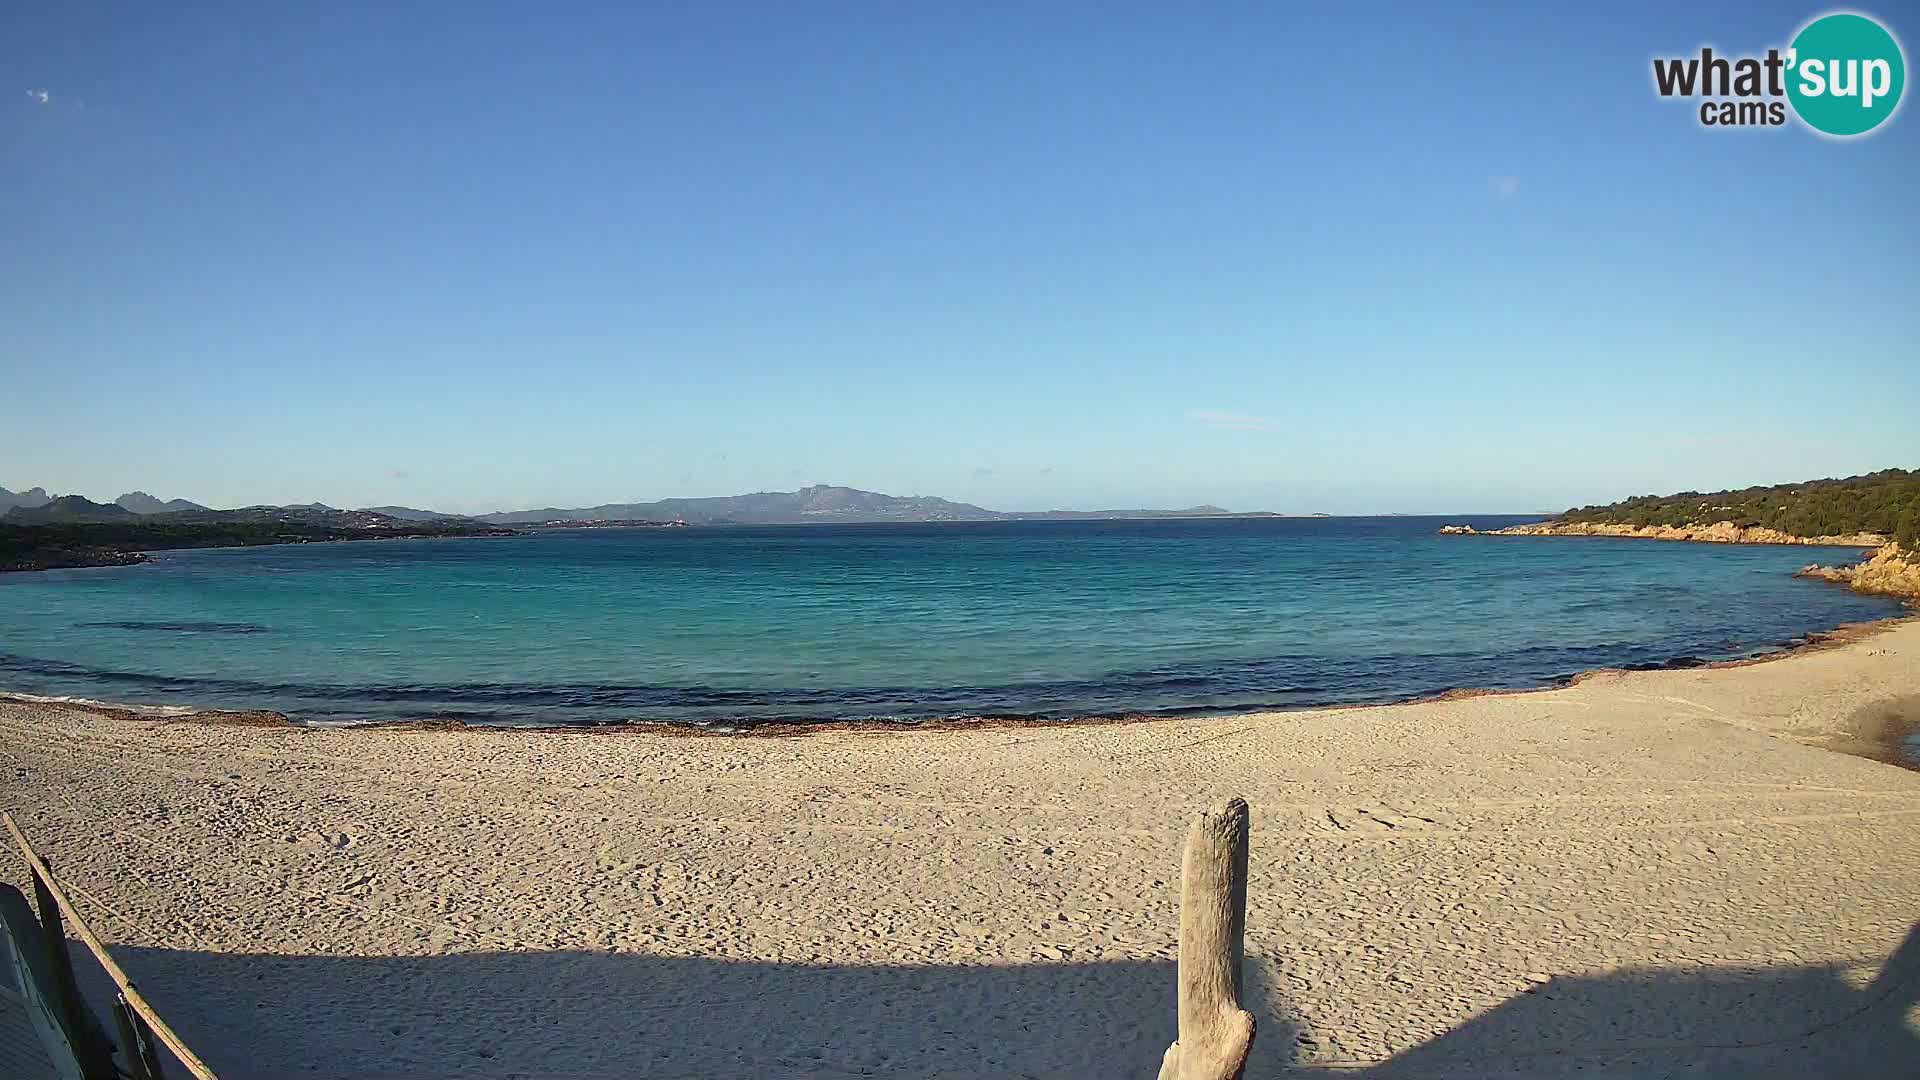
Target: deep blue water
(797,623)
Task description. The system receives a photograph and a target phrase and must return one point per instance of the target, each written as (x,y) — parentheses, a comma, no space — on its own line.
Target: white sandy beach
(1647,874)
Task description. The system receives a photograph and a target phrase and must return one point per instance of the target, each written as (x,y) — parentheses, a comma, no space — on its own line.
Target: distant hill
(408,513)
(1885,502)
(66,508)
(809,504)
(309,515)
(29,498)
(822,503)
(142,503)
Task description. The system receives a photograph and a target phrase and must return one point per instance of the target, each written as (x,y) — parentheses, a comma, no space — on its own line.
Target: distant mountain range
(76,509)
(136,502)
(820,503)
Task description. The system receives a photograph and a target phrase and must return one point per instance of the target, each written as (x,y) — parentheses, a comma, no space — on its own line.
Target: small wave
(69,699)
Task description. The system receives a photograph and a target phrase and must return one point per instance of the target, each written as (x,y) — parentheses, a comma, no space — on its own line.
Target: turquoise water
(1043,619)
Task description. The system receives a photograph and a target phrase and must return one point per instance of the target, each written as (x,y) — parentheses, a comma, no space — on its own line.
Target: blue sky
(1380,258)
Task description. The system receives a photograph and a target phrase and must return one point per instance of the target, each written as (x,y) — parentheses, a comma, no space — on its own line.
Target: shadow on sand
(1775,1021)
(578,1014)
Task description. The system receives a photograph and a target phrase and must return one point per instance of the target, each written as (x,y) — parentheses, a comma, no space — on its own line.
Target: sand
(1644,874)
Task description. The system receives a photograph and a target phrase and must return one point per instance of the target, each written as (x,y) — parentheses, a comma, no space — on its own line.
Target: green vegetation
(1886,502)
(114,543)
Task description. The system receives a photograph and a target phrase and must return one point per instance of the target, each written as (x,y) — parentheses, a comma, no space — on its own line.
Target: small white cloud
(1506,186)
(1230,421)
(41,97)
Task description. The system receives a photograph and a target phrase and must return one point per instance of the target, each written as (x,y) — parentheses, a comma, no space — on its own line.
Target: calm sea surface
(732,625)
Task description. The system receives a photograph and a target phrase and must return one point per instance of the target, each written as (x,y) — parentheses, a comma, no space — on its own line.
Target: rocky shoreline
(69,559)
(1720,532)
(1889,571)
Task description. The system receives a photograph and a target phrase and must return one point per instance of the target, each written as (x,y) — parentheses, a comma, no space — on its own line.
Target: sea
(734,626)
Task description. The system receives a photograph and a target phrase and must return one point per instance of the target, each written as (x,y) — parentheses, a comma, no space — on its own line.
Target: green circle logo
(1844,74)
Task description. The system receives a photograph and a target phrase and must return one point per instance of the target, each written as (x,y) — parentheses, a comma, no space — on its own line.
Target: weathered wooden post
(1215,1032)
(90,1045)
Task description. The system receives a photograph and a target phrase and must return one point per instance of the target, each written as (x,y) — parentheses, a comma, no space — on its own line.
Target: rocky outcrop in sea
(1890,572)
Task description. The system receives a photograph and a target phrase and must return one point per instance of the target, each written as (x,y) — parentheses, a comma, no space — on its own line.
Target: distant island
(828,503)
(1874,510)
(39,531)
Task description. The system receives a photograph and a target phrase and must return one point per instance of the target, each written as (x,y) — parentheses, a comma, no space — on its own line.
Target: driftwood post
(1215,1032)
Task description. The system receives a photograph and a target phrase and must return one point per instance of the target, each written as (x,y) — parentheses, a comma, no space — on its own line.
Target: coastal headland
(1641,873)
(1719,532)
(1880,511)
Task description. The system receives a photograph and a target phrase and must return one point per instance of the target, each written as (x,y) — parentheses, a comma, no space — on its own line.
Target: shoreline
(103,557)
(1882,569)
(1889,742)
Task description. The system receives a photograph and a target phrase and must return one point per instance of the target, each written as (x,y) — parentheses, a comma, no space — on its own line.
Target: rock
(1890,572)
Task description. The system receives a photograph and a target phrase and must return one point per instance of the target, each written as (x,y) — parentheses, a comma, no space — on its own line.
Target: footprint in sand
(1380,820)
(328,841)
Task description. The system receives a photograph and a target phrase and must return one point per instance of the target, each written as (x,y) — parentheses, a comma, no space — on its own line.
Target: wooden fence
(79,1049)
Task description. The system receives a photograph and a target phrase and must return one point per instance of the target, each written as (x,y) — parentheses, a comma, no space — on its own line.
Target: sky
(1370,258)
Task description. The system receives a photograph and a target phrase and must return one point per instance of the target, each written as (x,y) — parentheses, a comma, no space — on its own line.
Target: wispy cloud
(982,472)
(1506,187)
(1230,421)
(61,103)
